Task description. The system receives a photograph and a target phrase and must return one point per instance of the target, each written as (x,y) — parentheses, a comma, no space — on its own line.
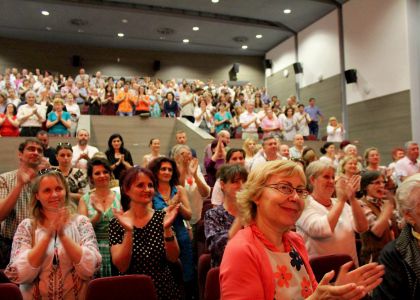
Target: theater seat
(321,265)
(3,277)
(204,264)
(128,287)
(10,291)
(212,290)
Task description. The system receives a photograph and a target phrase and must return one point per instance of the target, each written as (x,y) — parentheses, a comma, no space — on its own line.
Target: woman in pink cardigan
(266,260)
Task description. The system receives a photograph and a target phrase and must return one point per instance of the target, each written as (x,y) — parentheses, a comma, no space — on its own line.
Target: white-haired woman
(401,257)
(276,260)
(54,253)
(327,224)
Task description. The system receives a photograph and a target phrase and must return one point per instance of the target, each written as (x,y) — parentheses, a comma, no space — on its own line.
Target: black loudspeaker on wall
(297,67)
(351,75)
(76,61)
(268,63)
(236,67)
(156,65)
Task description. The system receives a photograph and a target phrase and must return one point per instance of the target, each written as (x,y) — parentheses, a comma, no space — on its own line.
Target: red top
(7,129)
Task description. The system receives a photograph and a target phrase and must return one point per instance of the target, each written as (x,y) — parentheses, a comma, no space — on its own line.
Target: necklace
(415,234)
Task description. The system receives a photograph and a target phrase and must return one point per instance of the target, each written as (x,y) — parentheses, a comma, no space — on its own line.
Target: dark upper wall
(57,57)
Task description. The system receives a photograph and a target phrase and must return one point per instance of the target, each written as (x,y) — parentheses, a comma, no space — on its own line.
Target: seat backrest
(128,287)
(212,290)
(3,277)
(10,291)
(323,264)
(204,264)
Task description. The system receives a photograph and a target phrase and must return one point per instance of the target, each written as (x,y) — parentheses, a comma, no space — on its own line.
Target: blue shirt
(58,128)
(313,112)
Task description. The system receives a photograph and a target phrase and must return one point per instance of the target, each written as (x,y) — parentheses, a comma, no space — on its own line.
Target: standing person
(277,264)
(55,251)
(74,110)
(378,206)
(98,205)
(249,123)
(30,116)
(335,131)
(373,160)
(316,117)
(141,239)
(222,119)
(143,102)
(181,139)
(297,149)
(169,192)
(59,121)
(119,157)
(250,148)
(187,103)
(125,100)
(15,194)
(271,125)
(220,222)
(408,165)
(9,124)
(49,152)
(329,154)
(289,124)
(170,106)
(328,224)
(203,116)
(269,152)
(82,152)
(303,120)
(108,104)
(154,146)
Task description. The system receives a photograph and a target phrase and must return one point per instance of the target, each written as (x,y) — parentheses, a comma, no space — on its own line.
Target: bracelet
(169,238)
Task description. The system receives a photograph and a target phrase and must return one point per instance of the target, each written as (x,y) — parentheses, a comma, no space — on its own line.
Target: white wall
(376,45)
(282,56)
(319,50)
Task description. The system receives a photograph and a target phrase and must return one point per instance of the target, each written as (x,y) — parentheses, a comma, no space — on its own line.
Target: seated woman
(9,124)
(169,192)
(220,222)
(97,205)
(119,157)
(277,264)
(55,252)
(59,121)
(378,206)
(327,224)
(401,257)
(154,146)
(76,178)
(141,239)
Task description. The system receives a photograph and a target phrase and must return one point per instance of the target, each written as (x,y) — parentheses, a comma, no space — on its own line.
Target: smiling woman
(277,262)
(55,251)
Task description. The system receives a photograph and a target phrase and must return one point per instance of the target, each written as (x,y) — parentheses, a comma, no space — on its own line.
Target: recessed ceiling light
(258,36)
(196,28)
(120,34)
(215,1)
(48,28)
(125,21)
(45,13)
(287,11)
(185,41)
(244,47)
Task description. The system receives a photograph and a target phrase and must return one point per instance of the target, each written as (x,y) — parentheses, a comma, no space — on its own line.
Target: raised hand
(193,166)
(171,213)
(60,220)
(125,222)
(25,175)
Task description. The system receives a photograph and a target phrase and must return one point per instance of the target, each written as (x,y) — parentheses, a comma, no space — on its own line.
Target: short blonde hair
(58,100)
(252,189)
(344,161)
(407,194)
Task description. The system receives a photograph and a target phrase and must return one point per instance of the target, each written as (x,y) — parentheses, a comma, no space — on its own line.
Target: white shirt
(315,229)
(246,117)
(334,136)
(405,167)
(33,121)
(195,198)
(82,164)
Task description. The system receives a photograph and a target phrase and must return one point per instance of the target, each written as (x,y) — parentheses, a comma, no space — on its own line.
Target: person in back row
(82,152)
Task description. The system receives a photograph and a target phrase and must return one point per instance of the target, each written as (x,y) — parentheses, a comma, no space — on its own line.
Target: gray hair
(315,169)
(348,147)
(176,150)
(407,193)
(410,143)
(30,93)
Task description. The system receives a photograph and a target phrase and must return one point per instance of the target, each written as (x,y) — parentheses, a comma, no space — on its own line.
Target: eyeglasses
(48,170)
(287,189)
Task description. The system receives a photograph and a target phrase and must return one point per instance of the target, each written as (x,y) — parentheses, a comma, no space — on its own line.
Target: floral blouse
(291,279)
(57,277)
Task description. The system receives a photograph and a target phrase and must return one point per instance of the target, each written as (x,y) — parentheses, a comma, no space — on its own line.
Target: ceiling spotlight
(45,13)
(244,47)
(48,28)
(185,41)
(215,1)
(196,28)
(287,11)
(258,36)
(120,34)
(125,21)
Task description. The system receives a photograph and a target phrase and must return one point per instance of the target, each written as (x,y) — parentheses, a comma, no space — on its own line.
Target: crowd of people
(30,102)
(71,213)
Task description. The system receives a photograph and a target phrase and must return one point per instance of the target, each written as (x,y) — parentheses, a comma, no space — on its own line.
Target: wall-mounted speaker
(298,68)
(268,63)
(156,65)
(76,61)
(232,75)
(236,67)
(351,75)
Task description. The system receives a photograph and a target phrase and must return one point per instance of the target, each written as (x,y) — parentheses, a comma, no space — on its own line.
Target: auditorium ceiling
(230,27)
